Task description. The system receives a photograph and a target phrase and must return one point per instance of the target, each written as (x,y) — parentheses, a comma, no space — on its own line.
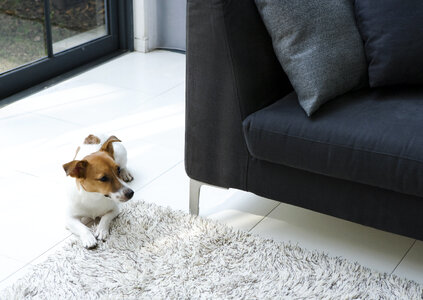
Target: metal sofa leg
(194,196)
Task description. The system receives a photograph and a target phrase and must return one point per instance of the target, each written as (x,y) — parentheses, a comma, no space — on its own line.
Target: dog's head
(99,173)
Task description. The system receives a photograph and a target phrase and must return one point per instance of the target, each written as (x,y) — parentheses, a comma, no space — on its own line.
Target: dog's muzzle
(128,194)
(122,195)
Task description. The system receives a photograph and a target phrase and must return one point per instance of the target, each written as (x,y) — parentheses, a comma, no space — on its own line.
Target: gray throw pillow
(318,45)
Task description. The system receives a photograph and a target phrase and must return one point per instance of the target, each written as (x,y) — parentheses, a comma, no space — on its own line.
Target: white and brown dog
(100,173)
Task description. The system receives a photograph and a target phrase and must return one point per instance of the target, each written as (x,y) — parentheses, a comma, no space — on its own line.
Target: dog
(100,174)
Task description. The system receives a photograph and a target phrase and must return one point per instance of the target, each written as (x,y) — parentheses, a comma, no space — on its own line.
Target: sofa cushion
(393,34)
(318,45)
(372,136)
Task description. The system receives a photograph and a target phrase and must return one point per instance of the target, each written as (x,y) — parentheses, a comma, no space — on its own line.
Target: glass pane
(75,22)
(22,37)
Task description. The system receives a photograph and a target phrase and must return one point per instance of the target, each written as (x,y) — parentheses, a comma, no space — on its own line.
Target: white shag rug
(154,252)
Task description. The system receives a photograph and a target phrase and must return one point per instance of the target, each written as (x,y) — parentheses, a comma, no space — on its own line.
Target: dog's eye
(104,179)
(118,170)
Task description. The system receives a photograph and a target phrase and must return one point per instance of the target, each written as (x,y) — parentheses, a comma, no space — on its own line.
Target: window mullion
(47,24)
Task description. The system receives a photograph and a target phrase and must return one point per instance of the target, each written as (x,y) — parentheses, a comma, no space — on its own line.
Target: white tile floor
(140,98)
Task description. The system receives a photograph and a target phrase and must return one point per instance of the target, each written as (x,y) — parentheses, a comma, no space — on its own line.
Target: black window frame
(120,39)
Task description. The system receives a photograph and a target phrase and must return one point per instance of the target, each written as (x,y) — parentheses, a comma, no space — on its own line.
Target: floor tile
(29,130)
(151,120)
(20,135)
(238,209)
(235,208)
(412,265)
(9,266)
(159,121)
(372,248)
(15,276)
(46,161)
(136,117)
(50,251)
(98,111)
(151,73)
(71,90)
(147,161)
(11,110)
(171,189)
(31,216)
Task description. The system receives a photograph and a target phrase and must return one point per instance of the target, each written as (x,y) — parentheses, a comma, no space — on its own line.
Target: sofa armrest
(232,71)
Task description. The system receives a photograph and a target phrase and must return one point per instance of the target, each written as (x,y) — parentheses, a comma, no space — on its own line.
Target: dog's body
(100,172)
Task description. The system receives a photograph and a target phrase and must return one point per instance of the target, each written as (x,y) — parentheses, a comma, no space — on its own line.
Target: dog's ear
(108,147)
(76,168)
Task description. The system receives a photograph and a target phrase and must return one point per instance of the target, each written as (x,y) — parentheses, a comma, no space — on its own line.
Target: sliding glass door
(40,39)
(75,22)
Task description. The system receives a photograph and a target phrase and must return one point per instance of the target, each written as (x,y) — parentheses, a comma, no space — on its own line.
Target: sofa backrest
(232,71)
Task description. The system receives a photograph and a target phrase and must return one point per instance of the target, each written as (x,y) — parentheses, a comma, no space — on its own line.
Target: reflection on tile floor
(140,98)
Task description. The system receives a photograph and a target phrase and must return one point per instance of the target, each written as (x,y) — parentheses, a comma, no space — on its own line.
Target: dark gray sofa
(359,157)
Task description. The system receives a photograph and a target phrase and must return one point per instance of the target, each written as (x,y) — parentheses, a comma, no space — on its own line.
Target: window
(41,39)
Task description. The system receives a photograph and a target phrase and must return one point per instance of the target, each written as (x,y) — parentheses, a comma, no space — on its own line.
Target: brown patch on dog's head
(92,140)
(76,168)
(99,173)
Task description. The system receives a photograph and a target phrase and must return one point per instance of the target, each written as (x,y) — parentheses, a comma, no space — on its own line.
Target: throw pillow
(393,34)
(318,45)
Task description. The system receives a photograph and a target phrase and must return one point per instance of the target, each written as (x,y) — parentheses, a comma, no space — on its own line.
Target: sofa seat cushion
(371,136)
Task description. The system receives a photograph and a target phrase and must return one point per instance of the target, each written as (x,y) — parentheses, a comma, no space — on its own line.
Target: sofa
(359,157)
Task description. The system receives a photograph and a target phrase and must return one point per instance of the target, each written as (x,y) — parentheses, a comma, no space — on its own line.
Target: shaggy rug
(154,252)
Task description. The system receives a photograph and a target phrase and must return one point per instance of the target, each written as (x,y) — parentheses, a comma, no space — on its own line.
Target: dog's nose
(129,193)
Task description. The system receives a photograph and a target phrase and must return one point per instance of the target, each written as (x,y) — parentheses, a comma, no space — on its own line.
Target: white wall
(140,28)
(159,24)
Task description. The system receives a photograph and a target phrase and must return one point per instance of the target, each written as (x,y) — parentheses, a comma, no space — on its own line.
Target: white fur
(83,204)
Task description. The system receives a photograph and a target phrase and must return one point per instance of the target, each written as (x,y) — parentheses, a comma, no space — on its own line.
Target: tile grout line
(406,253)
(264,217)
(39,110)
(148,99)
(57,119)
(153,96)
(158,176)
(27,264)
(146,122)
(27,174)
(12,258)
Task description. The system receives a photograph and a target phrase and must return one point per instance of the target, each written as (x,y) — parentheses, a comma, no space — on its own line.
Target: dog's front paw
(125,175)
(102,233)
(88,241)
